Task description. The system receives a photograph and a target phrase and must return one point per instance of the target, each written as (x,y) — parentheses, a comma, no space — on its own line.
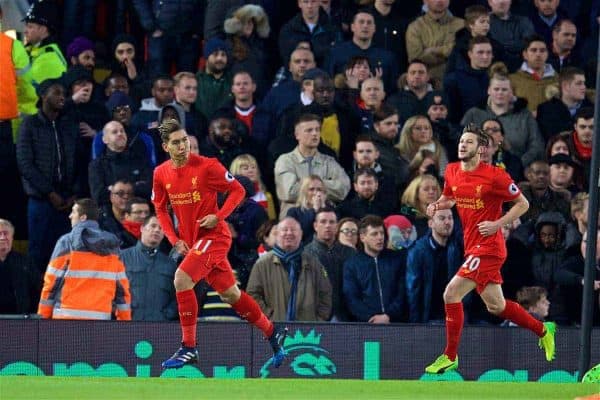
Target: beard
(468,156)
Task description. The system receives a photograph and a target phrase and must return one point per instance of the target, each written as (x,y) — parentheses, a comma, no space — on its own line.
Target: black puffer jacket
(47,156)
(111,167)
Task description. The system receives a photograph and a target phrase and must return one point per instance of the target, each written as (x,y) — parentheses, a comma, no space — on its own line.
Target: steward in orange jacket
(85,278)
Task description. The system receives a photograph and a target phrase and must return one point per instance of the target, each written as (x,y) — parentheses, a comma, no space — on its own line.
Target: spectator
(557,114)
(535,75)
(413,97)
(243,110)
(306,160)
(545,16)
(125,63)
(19,279)
(89,114)
(266,235)
(246,165)
(551,242)
(223,141)
(581,140)
(347,232)
(147,116)
(185,89)
(424,162)
(367,199)
(579,210)
(115,82)
(136,212)
(431,36)
(370,99)
(81,52)
(172,33)
(311,24)
(444,130)
(215,81)
(390,22)
(400,232)
(431,264)
(510,30)
(558,144)
(332,255)
(534,299)
(562,49)
(374,285)
(47,151)
(150,273)
(363,30)
(286,93)
(365,155)
(288,283)
(312,197)
(357,70)
(41,24)
(540,195)
(420,192)
(112,215)
(520,128)
(118,163)
(499,150)
(570,278)
(96,284)
(563,173)
(416,135)
(385,126)
(477,24)
(338,129)
(466,86)
(243,223)
(247,31)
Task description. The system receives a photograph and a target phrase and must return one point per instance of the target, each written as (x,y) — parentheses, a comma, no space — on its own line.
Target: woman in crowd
(347,232)
(312,196)
(417,134)
(420,192)
(246,165)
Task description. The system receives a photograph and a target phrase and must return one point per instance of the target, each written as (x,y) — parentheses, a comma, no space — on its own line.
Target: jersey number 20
(472,263)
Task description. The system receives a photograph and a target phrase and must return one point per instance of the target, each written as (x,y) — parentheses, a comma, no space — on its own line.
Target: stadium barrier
(320,350)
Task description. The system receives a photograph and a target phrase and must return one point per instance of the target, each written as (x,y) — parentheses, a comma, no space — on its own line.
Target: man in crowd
(306,294)
(332,255)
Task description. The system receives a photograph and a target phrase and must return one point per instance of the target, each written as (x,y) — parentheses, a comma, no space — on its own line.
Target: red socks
(517,314)
(249,309)
(188,314)
(454,323)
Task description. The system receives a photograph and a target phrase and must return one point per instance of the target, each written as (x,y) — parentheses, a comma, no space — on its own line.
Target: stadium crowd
(337,117)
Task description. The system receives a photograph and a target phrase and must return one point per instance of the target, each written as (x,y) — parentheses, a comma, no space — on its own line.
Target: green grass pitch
(41,388)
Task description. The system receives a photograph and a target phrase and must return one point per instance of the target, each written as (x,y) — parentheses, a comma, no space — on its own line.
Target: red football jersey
(192,192)
(479,195)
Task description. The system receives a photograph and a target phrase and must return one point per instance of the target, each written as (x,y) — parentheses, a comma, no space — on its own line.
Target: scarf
(135,228)
(584,152)
(292,262)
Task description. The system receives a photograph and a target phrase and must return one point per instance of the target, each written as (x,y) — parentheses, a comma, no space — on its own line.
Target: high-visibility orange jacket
(85,278)
(8,79)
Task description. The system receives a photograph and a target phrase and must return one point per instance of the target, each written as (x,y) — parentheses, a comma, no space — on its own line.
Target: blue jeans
(46,225)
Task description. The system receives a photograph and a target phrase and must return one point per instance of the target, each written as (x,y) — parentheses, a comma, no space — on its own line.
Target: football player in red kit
(478,190)
(190,184)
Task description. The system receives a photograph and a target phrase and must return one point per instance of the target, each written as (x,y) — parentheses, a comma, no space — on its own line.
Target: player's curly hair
(167,127)
(483,138)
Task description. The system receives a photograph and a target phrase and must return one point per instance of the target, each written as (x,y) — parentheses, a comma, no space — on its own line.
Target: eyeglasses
(123,194)
(348,231)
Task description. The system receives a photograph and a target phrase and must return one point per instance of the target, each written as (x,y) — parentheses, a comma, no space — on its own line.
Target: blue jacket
(362,277)
(419,273)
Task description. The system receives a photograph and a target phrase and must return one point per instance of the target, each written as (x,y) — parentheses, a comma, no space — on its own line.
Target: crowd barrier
(321,350)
